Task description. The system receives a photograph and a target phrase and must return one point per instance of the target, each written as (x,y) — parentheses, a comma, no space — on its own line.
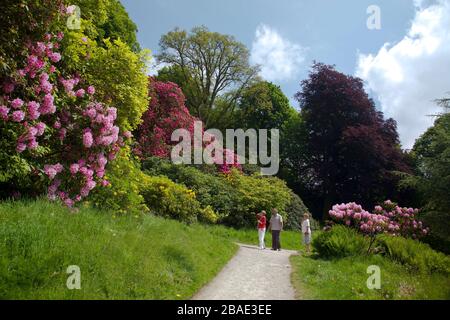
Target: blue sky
(285,36)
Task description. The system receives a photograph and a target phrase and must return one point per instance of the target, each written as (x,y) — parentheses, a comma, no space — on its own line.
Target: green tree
(432,178)
(212,63)
(107,19)
(263,106)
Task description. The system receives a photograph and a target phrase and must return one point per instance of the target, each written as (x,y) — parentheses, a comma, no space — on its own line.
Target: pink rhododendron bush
(386,218)
(52,121)
(167,112)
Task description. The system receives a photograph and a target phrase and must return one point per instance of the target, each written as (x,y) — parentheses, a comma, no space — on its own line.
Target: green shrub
(416,254)
(127,92)
(253,194)
(123,193)
(210,190)
(172,200)
(296,209)
(340,242)
(235,197)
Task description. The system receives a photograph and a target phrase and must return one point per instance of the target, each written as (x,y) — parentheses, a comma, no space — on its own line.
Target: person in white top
(306,231)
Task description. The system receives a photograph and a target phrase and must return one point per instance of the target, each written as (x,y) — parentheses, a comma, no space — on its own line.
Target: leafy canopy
(211,64)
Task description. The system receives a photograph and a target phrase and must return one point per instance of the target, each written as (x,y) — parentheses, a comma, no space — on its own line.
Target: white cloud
(408,76)
(153,67)
(279,58)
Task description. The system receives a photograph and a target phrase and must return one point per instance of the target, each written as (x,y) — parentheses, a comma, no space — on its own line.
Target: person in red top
(261,229)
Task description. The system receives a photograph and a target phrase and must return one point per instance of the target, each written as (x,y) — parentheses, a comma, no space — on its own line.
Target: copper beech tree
(350,151)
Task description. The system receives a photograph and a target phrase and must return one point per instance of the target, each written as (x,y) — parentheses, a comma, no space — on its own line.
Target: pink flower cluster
(402,220)
(230,161)
(388,218)
(166,113)
(87,137)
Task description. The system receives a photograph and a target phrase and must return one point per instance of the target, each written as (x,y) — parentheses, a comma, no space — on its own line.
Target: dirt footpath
(252,274)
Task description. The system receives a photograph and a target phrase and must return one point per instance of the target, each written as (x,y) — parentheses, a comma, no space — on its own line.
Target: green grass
(316,278)
(119,257)
(289,239)
(147,257)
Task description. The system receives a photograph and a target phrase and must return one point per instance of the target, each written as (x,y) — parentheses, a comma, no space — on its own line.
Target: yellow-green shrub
(172,200)
(255,193)
(123,193)
(117,73)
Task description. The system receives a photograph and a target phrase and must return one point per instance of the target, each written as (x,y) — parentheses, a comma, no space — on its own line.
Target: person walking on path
(306,231)
(276,226)
(261,229)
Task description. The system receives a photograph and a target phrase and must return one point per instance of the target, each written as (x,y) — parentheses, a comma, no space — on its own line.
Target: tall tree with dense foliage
(212,63)
(350,150)
(107,19)
(166,113)
(263,106)
(431,153)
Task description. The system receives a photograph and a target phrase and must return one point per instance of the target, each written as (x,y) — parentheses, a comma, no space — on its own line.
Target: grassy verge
(345,278)
(119,257)
(289,239)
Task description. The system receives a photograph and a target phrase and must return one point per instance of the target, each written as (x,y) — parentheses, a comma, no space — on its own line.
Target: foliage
(431,153)
(350,150)
(234,196)
(129,91)
(100,65)
(346,279)
(120,257)
(107,19)
(122,194)
(210,189)
(416,254)
(48,73)
(164,115)
(263,105)
(212,63)
(169,199)
(253,194)
(69,144)
(23,21)
(340,242)
(295,210)
(167,113)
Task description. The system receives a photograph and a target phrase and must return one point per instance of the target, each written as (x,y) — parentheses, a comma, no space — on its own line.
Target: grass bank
(119,257)
(345,278)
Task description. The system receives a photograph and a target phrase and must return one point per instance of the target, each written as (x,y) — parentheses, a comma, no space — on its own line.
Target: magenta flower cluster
(386,218)
(167,112)
(80,131)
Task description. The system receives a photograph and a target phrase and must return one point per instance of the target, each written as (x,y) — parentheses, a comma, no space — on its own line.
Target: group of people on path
(276,226)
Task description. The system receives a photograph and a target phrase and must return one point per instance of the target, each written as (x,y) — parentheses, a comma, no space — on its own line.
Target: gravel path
(252,274)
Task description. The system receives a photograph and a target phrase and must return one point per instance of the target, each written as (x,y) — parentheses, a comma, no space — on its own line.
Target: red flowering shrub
(167,112)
